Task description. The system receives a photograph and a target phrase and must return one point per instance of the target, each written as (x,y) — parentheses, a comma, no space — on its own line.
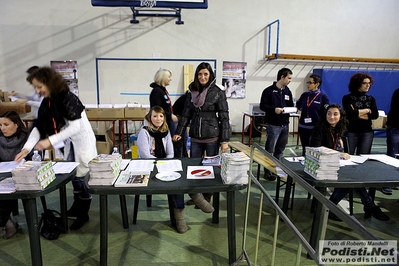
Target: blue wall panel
(335,84)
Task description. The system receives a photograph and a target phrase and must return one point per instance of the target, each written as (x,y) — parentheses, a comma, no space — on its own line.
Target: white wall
(36,32)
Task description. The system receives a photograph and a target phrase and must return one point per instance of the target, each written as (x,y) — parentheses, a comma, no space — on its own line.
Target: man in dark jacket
(274,99)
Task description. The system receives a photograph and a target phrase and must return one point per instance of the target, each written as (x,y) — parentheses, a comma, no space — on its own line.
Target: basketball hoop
(148,3)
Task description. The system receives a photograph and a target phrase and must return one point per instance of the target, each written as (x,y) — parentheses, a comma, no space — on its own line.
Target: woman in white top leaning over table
(62,116)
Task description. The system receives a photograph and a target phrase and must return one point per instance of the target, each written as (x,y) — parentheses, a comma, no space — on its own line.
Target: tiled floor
(153,242)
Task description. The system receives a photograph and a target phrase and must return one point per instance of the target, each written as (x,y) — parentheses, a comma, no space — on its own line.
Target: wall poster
(233,79)
(69,71)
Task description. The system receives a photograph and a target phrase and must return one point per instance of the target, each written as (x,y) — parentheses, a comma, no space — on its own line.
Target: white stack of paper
(322,163)
(104,169)
(234,168)
(33,175)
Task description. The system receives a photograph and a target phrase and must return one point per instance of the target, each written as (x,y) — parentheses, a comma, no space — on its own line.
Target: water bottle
(188,146)
(115,151)
(36,157)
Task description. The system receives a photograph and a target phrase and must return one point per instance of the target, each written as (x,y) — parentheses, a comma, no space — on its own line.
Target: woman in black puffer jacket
(207,109)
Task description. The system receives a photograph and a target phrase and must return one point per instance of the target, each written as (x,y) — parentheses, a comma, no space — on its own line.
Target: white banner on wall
(234,79)
(69,71)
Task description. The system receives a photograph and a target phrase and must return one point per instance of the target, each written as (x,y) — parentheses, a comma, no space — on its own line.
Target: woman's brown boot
(181,225)
(200,201)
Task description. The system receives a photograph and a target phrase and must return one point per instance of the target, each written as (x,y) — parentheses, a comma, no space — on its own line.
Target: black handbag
(50,225)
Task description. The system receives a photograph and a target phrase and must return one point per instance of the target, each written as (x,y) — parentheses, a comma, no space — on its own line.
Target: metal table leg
(231,226)
(216,201)
(34,237)
(319,225)
(63,207)
(103,230)
(287,194)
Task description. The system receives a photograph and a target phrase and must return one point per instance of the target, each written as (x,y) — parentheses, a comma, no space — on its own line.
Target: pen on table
(293,153)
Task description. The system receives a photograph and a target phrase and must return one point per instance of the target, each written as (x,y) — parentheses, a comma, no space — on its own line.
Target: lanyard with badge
(308,104)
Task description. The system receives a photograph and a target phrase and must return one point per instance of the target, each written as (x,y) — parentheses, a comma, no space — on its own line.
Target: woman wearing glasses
(360,108)
(312,105)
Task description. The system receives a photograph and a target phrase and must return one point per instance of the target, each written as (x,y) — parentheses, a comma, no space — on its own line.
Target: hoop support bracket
(156,12)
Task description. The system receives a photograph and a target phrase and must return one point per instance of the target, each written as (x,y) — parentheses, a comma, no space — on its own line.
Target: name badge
(286,97)
(308,120)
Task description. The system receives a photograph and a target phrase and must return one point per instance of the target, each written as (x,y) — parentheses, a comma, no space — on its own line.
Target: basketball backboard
(166,4)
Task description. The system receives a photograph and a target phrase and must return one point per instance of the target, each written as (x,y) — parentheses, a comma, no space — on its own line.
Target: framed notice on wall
(233,79)
(69,71)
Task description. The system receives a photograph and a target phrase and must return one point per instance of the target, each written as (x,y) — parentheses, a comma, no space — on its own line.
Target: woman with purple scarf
(207,109)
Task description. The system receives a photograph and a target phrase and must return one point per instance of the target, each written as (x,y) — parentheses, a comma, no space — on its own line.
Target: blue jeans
(178,201)
(277,137)
(340,193)
(392,141)
(361,142)
(79,186)
(197,149)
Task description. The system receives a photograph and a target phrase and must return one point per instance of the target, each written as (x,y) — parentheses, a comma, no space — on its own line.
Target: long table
(368,174)
(29,202)
(181,185)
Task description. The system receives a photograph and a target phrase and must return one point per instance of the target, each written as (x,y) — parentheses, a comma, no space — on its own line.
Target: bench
(259,158)
(264,161)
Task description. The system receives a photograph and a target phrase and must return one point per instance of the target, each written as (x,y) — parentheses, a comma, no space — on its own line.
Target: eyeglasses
(310,82)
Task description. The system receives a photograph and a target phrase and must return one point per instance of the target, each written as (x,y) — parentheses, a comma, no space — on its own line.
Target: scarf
(158,136)
(53,112)
(198,98)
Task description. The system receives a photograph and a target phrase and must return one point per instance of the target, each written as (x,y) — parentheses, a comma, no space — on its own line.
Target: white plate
(168,176)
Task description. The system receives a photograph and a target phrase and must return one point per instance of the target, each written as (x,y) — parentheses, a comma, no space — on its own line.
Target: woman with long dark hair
(13,136)
(328,133)
(207,111)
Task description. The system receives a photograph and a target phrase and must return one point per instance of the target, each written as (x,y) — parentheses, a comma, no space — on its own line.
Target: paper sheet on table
(6,167)
(200,172)
(64,167)
(143,165)
(296,159)
(280,172)
(169,166)
(346,162)
(358,159)
(125,162)
(7,186)
(382,158)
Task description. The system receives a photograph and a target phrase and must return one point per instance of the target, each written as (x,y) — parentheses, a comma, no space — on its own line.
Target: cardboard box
(5,97)
(116,113)
(103,147)
(136,112)
(91,113)
(104,143)
(20,108)
(380,122)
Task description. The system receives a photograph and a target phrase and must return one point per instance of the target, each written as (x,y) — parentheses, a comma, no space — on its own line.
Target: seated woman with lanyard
(13,136)
(328,133)
(154,141)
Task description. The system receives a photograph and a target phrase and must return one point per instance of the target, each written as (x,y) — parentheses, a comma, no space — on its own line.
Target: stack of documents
(234,168)
(104,169)
(322,163)
(33,175)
